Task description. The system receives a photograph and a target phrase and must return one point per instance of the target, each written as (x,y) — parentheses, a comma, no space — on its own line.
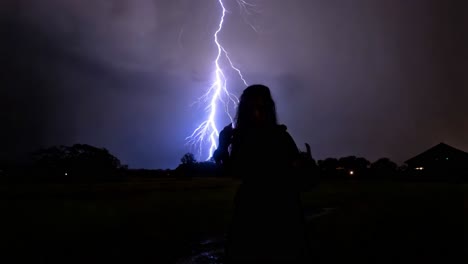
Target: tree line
(350,167)
(82,162)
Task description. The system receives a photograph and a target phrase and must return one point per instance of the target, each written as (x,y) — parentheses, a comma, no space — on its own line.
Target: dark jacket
(268,221)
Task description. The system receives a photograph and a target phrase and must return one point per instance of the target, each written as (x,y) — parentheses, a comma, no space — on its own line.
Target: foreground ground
(160,221)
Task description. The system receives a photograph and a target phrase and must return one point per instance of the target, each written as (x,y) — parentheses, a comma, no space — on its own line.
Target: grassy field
(157,221)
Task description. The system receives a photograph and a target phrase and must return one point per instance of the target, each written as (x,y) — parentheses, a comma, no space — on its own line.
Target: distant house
(441,160)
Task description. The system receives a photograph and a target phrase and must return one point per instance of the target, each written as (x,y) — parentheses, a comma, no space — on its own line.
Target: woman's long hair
(256,98)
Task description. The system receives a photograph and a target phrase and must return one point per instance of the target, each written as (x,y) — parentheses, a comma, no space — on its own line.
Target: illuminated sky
(366,77)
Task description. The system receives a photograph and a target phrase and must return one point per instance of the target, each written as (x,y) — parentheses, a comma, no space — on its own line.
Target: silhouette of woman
(268,222)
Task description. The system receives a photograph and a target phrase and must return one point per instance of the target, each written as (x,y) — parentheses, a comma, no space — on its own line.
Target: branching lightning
(218,94)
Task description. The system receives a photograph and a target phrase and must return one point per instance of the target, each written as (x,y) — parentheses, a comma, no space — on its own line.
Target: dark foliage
(188,159)
(328,168)
(80,161)
(383,167)
(189,167)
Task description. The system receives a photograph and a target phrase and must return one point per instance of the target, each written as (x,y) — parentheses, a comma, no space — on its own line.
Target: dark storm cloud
(369,78)
(383,75)
(71,78)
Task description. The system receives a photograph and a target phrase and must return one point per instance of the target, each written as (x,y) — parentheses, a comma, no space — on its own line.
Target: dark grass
(132,222)
(389,223)
(157,221)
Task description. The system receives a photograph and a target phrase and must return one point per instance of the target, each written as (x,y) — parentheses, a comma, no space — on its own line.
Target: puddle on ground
(206,251)
(312,213)
(211,250)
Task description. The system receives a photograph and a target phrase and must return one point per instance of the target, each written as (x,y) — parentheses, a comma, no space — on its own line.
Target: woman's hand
(306,170)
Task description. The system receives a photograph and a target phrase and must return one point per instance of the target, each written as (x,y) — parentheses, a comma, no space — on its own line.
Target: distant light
(351,172)
(420,168)
(66,174)
(446,158)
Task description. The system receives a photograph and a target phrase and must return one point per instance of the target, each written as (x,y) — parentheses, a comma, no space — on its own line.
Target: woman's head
(256,108)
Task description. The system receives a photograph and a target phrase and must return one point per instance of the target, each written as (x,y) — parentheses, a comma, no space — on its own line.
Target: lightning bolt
(218,93)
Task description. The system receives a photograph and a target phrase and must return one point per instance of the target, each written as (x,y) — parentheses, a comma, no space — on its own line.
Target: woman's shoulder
(282,129)
(279,132)
(282,134)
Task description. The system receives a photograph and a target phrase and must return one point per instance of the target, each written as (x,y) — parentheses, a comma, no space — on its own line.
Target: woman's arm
(221,154)
(304,168)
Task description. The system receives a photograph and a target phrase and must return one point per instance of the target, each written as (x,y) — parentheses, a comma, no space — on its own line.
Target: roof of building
(438,150)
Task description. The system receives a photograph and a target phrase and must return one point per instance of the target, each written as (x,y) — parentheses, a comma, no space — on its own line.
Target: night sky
(363,77)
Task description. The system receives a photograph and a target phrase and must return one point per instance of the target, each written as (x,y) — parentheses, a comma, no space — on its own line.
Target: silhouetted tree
(402,168)
(328,167)
(383,167)
(187,166)
(402,172)
(353,166)
(362,164)
(188,159)
(77,161)
(206,169)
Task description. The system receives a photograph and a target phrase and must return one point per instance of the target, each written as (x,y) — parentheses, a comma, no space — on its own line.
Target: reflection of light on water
(210,257)
(211,251)
(207,241)
(320,212)
(206,251)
